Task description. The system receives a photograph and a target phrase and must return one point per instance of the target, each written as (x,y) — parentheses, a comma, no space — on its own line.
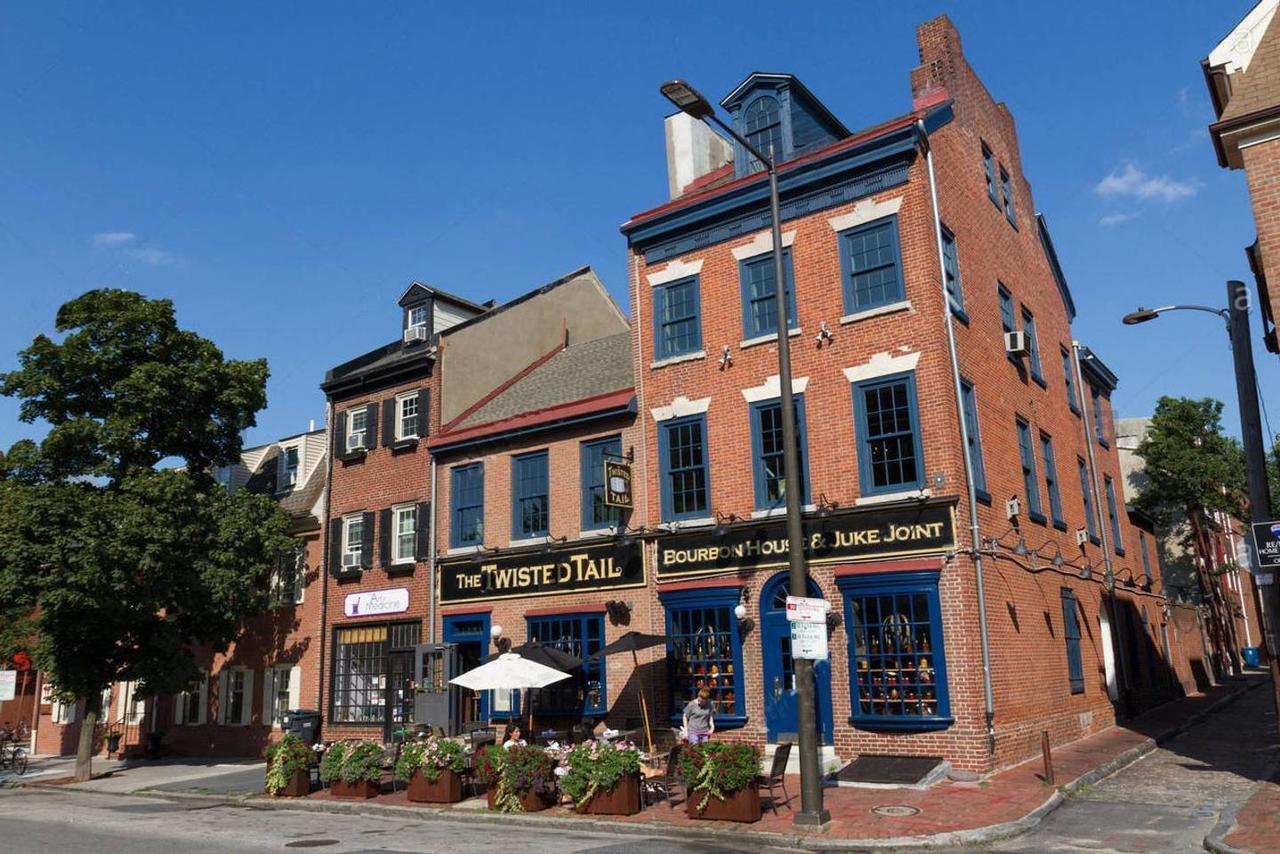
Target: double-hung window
(1089,521)
(357,427)
(236,691)
(530,501)
(418,316)
(872,265)
(1146,558)
(280,693)
(352,540)
(759,300)
(580,635)
(1071,631)
(288,475)
(888,430)
(467,496)
(191,704)
(1099,421)
(595,513)
(767,453)
(974,439)
(1112,515)
(405,534)
(407,416)
(1051,481)
(1006,190)
(1033,346)
(951,269)
(705,651)
(677,319)
(898,671)
(989,172)
(1072,400)
(290,577)
(682,453)
(1027,455)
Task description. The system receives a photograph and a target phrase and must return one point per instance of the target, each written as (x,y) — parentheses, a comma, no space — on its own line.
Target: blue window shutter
(1007,321)
(1111,511)
(1085,490)
(1146,558)
(1051,480)
(1067,372)
(1033,346)
(989,172)
(1071,632)
(975,437)
(951,268)
(1030,484)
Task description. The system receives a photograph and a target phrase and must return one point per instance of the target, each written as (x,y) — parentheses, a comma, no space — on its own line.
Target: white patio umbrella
(509,672)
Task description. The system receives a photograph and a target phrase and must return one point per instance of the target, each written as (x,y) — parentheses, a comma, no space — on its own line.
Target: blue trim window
(1007,321)
(1099,421)
(1027,454)
(767,452)
(1112,516)
(759,302)
(530,499)
(1006,190)
(898,671)
(1071,631)
(467,496)
(683,454)
(1089,520)
(1033,346)
(581,635)
(871,265)
(1146,558)
(951,267)
(989,172)
(470,633)
(705,651)
(1051,482)
(595,513)
(888,428)
(762,126)
(970,409)
(677,319)
(1072,399)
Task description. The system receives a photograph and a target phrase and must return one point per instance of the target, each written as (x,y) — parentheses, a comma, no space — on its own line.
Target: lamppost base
(812,819)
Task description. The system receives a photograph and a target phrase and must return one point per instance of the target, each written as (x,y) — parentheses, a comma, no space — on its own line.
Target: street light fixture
(690,102)
(1142,315)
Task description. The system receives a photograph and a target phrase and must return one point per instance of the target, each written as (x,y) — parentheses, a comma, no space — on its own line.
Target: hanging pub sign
(569,568)
(855,535)
(617,484)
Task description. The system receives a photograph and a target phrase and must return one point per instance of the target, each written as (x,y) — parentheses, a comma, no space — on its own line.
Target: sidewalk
(950,813)
(1256,825)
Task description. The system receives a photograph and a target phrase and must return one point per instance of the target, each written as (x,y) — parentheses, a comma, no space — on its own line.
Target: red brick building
(880,280)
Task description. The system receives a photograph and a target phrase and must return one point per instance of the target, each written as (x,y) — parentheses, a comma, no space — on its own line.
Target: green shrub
(351,762)
(597,766)
(431,756)
(717,769)
(285,758)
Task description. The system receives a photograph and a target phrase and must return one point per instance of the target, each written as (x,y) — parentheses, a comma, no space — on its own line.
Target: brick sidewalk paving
(1258,821)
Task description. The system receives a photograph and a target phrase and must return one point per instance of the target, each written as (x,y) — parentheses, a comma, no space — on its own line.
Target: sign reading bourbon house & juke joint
(841,536)
(574,567)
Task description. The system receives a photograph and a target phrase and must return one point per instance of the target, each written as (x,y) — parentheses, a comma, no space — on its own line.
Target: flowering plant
(351,762)
(284,759)
(514,771)
(431,756)
(718,769)
(596,766)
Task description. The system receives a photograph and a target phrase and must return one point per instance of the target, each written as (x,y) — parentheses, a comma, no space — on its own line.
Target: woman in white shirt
(511,737)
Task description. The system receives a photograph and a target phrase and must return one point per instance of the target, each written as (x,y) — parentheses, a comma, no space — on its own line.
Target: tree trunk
(84,750)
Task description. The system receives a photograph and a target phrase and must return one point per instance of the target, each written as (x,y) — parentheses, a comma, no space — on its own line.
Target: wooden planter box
(447,789)
(622,799)
(531,801)
(742,805)
(361,789)
(299,785)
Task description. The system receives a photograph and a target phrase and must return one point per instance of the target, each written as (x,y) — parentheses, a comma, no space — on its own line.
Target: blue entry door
(780,700)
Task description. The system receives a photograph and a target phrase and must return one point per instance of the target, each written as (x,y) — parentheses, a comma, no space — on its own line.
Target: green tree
(122,559)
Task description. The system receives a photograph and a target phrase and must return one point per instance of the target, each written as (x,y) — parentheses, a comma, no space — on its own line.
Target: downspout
(637,359)
(325,551)
(431,559)
(1090,436)
(988,694)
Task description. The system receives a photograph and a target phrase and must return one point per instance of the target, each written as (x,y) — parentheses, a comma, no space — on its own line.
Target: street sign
(1266,544)
(809,640)
(8,684)
(802,609)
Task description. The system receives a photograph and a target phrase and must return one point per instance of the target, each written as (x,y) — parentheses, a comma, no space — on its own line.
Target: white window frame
(401,400)
(397,556)
(225,692)
(182,703)
(348,522)
(363,413)
(426,316)
(283,595)
(283,484)
(280,679)
(130,709)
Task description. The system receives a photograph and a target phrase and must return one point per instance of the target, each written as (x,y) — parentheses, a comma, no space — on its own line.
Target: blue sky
(282,171)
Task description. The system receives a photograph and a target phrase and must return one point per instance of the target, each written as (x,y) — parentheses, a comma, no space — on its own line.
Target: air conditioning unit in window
(415,333)
(350,560)
(355,441)
(1012,508)
(1082,536)
(1015,343)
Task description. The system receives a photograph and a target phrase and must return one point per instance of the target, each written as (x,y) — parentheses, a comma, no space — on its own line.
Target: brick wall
(1262,171)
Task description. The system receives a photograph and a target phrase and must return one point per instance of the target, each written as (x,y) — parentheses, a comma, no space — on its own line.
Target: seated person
(511,737)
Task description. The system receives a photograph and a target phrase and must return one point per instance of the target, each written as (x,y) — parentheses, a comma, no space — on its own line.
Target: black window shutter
(384,537)
(340,436)
(335,544)
(371,425)
(388,422)
(366,544)
(424,412)
(424,528)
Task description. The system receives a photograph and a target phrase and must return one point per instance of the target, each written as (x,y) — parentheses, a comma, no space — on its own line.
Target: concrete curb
(973,836)
(1216,839)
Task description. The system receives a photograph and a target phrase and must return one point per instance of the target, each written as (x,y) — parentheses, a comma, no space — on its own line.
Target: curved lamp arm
(1142,315)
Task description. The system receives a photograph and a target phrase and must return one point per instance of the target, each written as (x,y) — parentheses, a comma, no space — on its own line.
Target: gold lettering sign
(617,484)
(567,569)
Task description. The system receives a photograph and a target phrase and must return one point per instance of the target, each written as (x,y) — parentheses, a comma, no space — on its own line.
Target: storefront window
(581,635)
(373,670)
(706,651)
(898,678)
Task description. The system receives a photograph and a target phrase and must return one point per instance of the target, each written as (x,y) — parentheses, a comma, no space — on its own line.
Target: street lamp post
(1236,317)
(812,812)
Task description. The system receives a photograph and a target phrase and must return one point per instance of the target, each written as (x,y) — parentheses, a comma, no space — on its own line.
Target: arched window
(762,123)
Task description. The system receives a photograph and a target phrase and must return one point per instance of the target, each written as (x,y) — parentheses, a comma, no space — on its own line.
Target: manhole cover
(310,843)
(895,810)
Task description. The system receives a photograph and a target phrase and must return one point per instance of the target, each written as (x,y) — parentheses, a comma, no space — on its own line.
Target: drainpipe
(988,694)
(325,551)
(431,559)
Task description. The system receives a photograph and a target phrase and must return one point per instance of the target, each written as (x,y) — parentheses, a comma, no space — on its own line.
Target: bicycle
(13,756)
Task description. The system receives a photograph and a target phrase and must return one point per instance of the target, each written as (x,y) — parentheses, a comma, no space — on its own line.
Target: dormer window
(762,123)
(419,316)
(288,478)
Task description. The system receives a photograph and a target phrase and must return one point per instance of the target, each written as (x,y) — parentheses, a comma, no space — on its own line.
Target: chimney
(693,150)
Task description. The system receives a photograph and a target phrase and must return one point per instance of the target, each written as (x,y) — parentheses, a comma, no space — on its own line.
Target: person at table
(698,721)
(511,737)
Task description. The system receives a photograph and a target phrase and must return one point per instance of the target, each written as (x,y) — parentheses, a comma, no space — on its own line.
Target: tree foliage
(1191,467)
(122,560)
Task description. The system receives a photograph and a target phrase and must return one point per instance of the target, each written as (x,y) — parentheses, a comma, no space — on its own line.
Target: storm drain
(310,843)
(895,810)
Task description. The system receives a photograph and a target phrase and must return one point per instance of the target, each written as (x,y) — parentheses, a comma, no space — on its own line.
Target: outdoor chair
(777,776)
(666,785)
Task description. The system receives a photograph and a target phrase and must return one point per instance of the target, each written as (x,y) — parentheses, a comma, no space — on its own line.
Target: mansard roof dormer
(777,112)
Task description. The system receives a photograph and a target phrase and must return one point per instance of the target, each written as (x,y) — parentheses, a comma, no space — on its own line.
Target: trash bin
(1250,656)
(304,723)
(154,745)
